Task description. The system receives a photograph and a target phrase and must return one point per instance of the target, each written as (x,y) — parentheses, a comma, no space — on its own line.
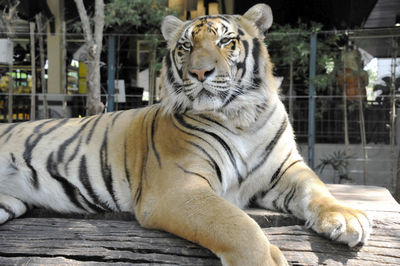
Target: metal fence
(356,88)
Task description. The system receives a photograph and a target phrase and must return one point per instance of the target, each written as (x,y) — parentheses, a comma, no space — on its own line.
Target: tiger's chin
(207,103)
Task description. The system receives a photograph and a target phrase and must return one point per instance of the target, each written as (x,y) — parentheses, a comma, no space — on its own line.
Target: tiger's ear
(261,15)
(169,26)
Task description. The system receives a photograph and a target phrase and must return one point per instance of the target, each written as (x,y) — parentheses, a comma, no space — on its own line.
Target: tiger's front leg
(185,205)
(302,193)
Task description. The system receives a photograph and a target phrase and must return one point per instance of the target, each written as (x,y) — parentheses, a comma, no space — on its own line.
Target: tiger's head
(218,64)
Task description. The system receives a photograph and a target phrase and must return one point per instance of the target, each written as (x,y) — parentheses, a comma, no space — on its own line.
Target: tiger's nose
(201,74)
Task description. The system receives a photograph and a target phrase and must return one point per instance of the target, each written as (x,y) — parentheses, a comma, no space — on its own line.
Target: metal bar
(10,93)
(393,66)
(111,73)
(64,76)
(345,121)
(33,65)
(311,100)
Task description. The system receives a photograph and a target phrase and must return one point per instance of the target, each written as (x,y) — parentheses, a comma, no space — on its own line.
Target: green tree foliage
(291,45)
(131,16)
(135,16)
(139,17)
(338,160)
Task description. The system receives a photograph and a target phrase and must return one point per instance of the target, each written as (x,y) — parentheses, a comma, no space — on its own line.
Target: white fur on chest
(249,147)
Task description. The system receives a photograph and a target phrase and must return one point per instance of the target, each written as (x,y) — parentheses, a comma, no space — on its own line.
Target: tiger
(219,140)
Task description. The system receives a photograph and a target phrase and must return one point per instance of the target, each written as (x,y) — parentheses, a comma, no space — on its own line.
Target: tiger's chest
(249,158)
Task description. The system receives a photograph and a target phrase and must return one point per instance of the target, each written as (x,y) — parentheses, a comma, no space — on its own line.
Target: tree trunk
(42,76)
(94,45)
(9,20)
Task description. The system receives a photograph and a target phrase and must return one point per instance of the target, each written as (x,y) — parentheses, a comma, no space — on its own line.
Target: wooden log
(44,240)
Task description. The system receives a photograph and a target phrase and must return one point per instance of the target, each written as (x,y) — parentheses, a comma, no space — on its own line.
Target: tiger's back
(72,165)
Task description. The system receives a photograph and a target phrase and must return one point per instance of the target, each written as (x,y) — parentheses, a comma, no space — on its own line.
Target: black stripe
(213,163)
(224,18)
(217,123)
(73,155)
(180,73)
(270,146)
(210,158)
(117,115)
(13,164)
(279,178)
(86,118)
(274,205)
(152,132)
(224,28)
(226,147)
(127,174)
(69,189)
(255,54)
(85,180)
(31,143)
(106,169)
(265,119)
(239,65)
(90,135)
(231,98)
(193,173)
(8,129)
(138,193)
(288,198)
(275,175)
(170,74)
(63,147)
(10,212)
(256,80)
(233,48)
(243,63)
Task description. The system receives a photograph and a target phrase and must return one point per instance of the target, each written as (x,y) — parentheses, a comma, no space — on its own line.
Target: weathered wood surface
(64,241)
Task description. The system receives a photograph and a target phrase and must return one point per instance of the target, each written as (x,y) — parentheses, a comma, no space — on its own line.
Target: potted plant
(339,162)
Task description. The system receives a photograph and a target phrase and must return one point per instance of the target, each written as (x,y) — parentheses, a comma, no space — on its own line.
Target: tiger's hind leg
(10,208)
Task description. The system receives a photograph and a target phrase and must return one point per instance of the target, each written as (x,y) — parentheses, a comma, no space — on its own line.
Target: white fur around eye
(225,41)
(187,46)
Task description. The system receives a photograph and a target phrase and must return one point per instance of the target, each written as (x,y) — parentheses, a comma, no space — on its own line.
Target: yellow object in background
(82,78)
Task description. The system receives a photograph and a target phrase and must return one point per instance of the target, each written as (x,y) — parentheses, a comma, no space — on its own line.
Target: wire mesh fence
(357,84)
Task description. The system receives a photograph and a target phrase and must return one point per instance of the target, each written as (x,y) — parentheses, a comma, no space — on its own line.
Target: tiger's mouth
(206,100)
(205,93)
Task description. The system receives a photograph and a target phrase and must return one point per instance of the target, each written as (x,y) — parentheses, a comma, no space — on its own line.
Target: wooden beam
(118,238)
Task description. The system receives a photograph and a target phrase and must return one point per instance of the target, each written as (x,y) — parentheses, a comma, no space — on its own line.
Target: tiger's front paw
(342,224)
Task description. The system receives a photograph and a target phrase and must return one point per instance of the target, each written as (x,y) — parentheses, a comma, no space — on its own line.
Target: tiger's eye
(186,46)
(225,41)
